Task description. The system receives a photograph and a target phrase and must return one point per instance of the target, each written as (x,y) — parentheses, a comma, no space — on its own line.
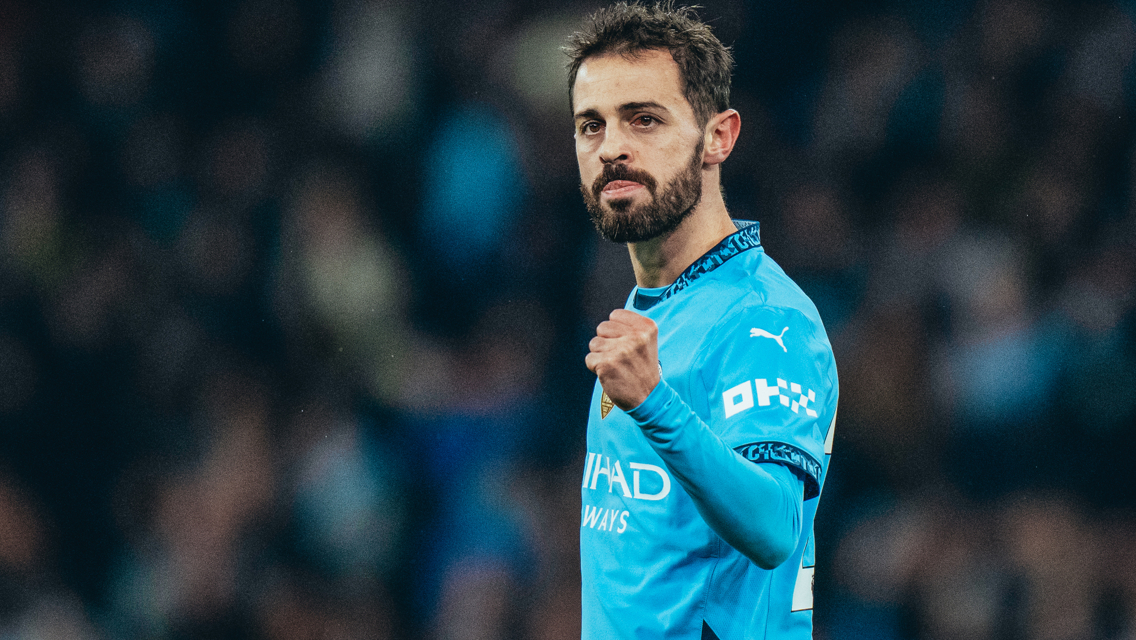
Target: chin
(625,228)
(619,207)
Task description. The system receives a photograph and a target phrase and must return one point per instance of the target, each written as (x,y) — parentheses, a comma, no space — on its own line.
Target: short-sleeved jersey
(744,347)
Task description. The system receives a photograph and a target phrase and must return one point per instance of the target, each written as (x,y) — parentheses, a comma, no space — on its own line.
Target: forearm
(756,508)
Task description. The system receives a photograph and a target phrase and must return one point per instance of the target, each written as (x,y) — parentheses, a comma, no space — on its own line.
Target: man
(711,421)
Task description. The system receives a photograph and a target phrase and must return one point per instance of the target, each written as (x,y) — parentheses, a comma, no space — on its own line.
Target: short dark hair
(704,63)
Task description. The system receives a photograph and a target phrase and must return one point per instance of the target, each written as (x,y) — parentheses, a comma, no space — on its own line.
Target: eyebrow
(624,108)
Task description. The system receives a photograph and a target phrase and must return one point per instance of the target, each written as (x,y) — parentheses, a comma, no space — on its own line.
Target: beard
(621,221)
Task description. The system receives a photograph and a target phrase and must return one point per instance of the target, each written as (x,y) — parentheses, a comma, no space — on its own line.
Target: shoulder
(759,291)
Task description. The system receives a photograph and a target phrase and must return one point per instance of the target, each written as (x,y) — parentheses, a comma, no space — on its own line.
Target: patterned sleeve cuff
(788,455)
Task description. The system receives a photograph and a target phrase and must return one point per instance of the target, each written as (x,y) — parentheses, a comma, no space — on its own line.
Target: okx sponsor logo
(788,394)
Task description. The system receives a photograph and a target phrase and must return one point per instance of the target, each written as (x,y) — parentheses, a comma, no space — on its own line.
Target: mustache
(618,171)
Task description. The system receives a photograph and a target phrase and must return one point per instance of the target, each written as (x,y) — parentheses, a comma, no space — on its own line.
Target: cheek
(589,168)
(677,159)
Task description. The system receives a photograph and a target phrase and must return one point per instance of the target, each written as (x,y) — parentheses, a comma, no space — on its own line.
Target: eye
(591,127)
(646,121)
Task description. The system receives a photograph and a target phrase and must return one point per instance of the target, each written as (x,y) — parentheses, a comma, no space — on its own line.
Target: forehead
(610,80)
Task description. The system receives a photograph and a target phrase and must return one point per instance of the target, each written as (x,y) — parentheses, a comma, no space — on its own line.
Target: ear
(721,134)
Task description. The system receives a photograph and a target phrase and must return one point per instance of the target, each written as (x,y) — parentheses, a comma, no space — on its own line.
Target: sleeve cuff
(654,406)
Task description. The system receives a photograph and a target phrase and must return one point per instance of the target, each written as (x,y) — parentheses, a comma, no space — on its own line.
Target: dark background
(295,296)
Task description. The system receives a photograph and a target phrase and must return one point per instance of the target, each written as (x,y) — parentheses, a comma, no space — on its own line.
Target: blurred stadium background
(294,299)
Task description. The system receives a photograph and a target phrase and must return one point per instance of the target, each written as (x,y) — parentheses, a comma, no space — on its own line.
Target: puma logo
(762,333)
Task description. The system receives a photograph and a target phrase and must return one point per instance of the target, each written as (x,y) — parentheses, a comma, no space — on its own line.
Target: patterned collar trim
(748,236)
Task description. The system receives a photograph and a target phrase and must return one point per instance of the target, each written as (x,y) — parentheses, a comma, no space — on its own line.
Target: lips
(617,188)
(618,181)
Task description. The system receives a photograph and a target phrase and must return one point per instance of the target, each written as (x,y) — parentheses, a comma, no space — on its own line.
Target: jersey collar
(745,238)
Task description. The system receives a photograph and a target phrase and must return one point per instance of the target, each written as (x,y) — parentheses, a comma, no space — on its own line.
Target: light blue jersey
(748,380)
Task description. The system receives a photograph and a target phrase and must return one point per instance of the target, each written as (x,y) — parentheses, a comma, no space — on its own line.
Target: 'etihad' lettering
(599,465)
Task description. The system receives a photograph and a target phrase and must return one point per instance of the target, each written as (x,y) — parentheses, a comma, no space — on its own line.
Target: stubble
(621,221)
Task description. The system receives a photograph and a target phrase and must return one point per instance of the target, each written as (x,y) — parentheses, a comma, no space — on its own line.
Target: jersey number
(803,591)
(806,576)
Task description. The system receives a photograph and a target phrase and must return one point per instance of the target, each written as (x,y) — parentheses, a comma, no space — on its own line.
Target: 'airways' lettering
(598,465)
(604,519)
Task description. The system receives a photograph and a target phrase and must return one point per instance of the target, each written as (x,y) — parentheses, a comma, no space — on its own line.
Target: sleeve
(770,387)
(755,508)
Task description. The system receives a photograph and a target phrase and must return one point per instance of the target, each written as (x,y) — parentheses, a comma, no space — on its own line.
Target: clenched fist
(625,357)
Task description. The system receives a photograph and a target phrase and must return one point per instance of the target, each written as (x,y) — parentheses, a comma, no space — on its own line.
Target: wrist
(653,404)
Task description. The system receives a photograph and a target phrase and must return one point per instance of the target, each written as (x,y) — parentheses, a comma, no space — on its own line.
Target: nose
(615,147)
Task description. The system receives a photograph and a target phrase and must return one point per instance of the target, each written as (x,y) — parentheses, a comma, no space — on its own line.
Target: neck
(660,261)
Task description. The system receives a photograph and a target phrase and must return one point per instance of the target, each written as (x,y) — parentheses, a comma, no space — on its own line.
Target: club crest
(606,403)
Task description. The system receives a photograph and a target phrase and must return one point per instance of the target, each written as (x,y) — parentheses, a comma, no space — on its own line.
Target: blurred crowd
(294,299)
